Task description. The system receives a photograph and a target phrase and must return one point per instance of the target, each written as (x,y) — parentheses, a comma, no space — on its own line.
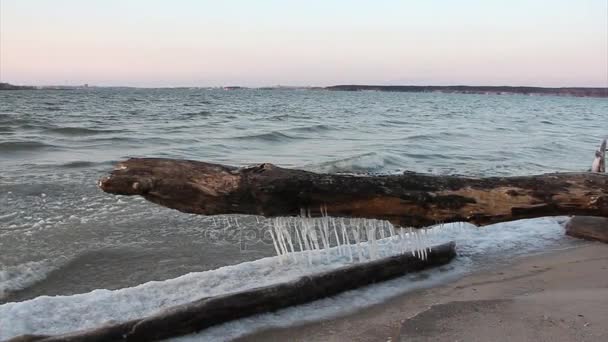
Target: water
(54,145)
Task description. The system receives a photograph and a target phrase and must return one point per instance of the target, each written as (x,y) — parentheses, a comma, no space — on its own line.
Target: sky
(152,43)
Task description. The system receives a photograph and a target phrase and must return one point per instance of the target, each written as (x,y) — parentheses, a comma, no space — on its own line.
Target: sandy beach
(560,296)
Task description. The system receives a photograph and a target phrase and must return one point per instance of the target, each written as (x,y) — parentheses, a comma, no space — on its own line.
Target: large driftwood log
(206,312)
(410,199)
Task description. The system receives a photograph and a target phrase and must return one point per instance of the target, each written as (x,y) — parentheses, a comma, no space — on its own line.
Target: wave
(371,162)
(493,245)
(436,136)
(136,140)
(201,113)
(280,117)
(267,137)
(19,277)
(80,131)
(23,146)
(84,164)
(311,129)
(51,108)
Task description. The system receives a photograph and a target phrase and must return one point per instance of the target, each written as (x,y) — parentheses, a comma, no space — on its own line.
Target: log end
(588,228)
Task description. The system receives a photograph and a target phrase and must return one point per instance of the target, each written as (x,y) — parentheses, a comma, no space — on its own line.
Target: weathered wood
(589,228)
(206,312)
(410,199)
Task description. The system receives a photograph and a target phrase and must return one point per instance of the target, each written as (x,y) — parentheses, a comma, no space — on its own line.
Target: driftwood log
(203,313)
(410,199)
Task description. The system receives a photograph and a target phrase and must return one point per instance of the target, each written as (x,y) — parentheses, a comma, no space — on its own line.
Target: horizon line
(236,85)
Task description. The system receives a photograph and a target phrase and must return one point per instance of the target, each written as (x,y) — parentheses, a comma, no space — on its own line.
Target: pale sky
(295,42)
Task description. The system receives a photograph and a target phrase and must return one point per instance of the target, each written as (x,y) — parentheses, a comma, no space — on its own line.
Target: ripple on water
(24,146)
(273,137)
(81,131)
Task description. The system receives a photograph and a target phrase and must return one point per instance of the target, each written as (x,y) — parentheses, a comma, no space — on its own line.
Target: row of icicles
(304,237)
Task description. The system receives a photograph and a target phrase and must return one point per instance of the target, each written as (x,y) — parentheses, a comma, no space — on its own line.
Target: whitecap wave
(361,163)
(18,277)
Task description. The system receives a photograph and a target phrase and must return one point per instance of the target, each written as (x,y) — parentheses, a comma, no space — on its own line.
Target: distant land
(8,86)
(459,89)
(496,90)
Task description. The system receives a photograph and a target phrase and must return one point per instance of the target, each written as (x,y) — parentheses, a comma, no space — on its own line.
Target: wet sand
(561,296)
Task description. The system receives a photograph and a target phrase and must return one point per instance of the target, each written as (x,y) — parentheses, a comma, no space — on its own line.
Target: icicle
(286,234)
(274,243)
(286,239)
(305,237)
(427,242)
(356,236)
(391,228)
(313,236)
(414,242)
(374,241)
(420,244)
(276,248)
(307,244)
(324,238)
(325,221)
(289,240)
(422,236)
(338,245)
(280,236)
(371,241)
(346,240)
(297,232)
(302,252)
(381,228)
(402,240)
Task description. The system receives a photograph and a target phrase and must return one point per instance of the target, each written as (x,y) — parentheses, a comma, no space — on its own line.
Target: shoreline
(558,296)
(581,92)
(481,90)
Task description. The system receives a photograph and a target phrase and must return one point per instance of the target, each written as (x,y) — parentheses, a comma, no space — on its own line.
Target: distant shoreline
(458,89)
(8,86)
(492,90)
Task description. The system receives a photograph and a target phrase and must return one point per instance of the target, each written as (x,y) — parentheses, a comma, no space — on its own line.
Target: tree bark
(410,199)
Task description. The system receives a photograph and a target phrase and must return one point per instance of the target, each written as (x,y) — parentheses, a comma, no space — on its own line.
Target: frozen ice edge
(60,314)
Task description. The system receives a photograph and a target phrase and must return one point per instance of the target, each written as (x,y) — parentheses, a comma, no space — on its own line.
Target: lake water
(59,234)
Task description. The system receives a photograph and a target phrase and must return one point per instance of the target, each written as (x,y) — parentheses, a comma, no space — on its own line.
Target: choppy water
(54,145)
